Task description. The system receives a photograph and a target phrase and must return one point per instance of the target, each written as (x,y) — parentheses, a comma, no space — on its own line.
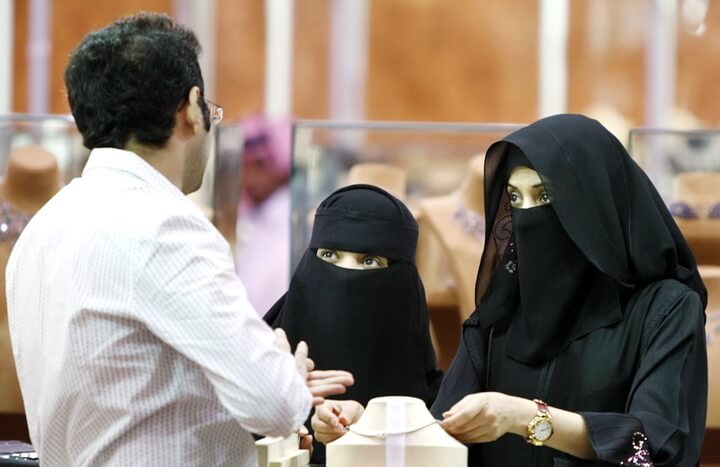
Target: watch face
(543,430)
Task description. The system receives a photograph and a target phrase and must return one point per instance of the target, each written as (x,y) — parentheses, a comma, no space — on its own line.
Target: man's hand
(303,364)
(332,417)
(281,340)
(321,383)
(306,438)
(327,383)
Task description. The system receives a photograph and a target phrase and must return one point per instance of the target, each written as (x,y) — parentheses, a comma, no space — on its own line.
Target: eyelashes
(352,260)
(536,199)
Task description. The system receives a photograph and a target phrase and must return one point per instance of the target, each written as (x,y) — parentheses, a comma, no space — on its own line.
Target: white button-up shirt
(133,337)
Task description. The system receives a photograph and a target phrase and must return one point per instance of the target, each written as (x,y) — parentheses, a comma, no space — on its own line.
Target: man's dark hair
(129,79)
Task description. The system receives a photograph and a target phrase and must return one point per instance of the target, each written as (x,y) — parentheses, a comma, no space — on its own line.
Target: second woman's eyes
(328,254)
(371,262)
(539,199)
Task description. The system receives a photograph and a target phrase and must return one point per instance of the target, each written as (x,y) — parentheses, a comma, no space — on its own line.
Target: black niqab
(564,269)
(647,372)
(373,323)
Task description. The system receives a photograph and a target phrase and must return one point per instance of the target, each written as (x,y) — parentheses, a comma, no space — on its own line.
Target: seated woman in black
(356,298)
(587,346)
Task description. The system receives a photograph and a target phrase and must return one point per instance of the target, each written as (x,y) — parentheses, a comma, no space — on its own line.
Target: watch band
(542,407)
(542,422)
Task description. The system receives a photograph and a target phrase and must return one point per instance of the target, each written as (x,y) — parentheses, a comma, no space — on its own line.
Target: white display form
(281,452)
(396,432)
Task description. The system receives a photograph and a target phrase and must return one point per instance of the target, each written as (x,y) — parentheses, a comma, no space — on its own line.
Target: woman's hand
(332,417)
(486,416)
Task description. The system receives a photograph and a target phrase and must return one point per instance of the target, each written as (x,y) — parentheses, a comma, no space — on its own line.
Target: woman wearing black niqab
(589,302)
(371,322)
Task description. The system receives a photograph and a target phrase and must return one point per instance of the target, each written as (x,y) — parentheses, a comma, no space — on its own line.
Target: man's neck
(165,160)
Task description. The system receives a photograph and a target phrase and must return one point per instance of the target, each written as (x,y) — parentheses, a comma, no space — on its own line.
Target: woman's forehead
(524,176)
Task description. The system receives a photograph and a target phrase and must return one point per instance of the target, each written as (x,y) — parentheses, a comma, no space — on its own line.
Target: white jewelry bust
(281,452)
(396,432)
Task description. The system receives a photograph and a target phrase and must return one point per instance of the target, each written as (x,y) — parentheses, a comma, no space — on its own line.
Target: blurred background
(631,62)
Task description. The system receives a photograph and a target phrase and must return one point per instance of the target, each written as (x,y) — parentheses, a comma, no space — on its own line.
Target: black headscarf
(373,323)
(566,268)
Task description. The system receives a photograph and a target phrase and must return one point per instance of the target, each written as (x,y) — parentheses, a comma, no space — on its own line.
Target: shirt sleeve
(668,398)
(189,296)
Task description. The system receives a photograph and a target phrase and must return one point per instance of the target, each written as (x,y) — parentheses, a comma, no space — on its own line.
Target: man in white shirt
(133,337)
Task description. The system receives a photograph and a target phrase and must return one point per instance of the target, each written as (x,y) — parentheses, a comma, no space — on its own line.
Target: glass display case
(432,159)
(436,169)
(685,167)
(665,153)
(58,135)
(221,186)
(54,133)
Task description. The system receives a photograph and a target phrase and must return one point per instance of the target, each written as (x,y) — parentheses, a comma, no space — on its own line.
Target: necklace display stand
(281,452)
(452,232)
(30,181)
(711,278)
(396,432)
(388,177)
(696,208)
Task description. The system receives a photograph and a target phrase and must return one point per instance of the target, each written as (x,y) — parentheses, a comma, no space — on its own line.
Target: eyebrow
(537,185)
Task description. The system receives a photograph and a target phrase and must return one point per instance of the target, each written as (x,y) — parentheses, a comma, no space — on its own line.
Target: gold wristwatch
(540,428)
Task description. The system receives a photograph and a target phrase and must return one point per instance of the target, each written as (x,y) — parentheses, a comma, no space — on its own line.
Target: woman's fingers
(479,434)
(326,423)
(454,420)
(332,417)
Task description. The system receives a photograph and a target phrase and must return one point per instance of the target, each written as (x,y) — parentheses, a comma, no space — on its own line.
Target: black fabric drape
(373,323)
(647,373)
(604,201)
(628,351)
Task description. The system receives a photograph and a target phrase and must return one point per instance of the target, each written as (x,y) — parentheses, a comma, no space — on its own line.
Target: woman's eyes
(517,200)
(371,261)
(352,260)
(328,254)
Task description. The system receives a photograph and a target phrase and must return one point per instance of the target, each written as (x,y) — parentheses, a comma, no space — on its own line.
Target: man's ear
(193,112)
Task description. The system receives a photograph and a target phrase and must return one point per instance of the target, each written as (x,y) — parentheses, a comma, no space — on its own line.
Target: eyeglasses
(216,111)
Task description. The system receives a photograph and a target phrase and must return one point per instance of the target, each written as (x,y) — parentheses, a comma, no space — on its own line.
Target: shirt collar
(130,162)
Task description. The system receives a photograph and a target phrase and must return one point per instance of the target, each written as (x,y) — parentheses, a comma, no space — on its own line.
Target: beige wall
(240,56)
(70,21)
(464,60)
(460,61)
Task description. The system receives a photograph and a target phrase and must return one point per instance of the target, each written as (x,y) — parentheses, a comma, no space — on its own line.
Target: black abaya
(373,323)
(628,353)
(647,374)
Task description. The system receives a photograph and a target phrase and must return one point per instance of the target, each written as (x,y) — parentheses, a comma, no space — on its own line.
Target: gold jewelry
(540,428)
